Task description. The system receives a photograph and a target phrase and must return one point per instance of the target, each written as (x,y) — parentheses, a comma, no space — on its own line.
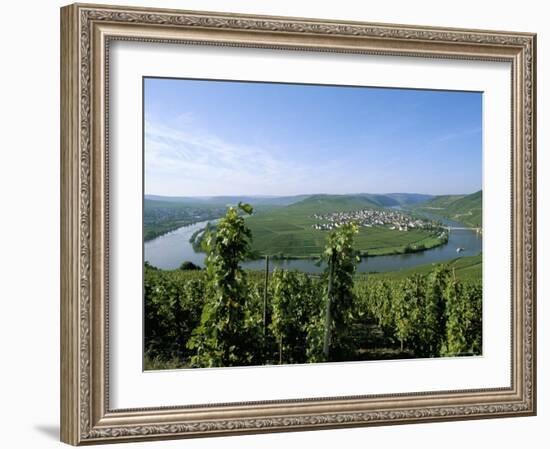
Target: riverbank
(153,231)
(469,268)
(423,245)
(465,268)
(171,250)
(433,240)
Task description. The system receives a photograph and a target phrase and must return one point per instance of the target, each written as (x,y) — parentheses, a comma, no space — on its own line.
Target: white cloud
(190,161)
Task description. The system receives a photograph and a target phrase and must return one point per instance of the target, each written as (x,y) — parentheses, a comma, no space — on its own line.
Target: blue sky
(235,138)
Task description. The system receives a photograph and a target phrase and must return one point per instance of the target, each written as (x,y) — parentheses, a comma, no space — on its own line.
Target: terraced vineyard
(388,319)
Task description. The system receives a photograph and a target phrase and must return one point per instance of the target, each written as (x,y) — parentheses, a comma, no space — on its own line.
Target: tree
(382,293)
(434,328)
(294,306)
(229,333)
(341,261)
(406,303)
(463,313)
(172,310)
(189,266)
(474,293)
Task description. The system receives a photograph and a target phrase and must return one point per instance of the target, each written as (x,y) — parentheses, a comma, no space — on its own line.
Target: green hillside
(467,268)
(288,231)
(165,214)
(321,204)
(440,202)
(393,199)
(466,209)
(160,217)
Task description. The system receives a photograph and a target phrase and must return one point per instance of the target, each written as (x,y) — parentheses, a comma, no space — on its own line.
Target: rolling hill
(161,217)
(288,231)
(162,214)
(321,204)
(380,199)
(466,209)
(397,199)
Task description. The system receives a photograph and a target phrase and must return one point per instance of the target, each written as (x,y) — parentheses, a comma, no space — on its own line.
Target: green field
(465,268)
(288,231)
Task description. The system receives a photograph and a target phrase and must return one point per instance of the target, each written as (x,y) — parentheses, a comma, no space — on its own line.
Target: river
(170,250)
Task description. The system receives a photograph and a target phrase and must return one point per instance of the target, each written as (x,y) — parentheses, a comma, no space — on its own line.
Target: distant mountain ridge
(229,199)
(375,199)
(397,199)
(323,203)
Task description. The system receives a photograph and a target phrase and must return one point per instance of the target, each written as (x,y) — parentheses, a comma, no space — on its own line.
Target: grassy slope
(466,209)
(466,268)
(440,202)
(289,231)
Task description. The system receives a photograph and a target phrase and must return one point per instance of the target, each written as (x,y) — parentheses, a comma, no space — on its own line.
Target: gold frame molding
(86,31)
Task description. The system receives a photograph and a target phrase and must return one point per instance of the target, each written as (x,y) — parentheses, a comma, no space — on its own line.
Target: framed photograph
(277,224)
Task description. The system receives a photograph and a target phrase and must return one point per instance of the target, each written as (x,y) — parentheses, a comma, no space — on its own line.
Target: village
(373,217)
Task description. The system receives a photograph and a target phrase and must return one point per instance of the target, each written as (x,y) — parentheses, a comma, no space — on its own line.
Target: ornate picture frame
(87,31)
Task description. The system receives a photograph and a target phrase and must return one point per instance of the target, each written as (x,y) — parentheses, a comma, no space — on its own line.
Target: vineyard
(226,316)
